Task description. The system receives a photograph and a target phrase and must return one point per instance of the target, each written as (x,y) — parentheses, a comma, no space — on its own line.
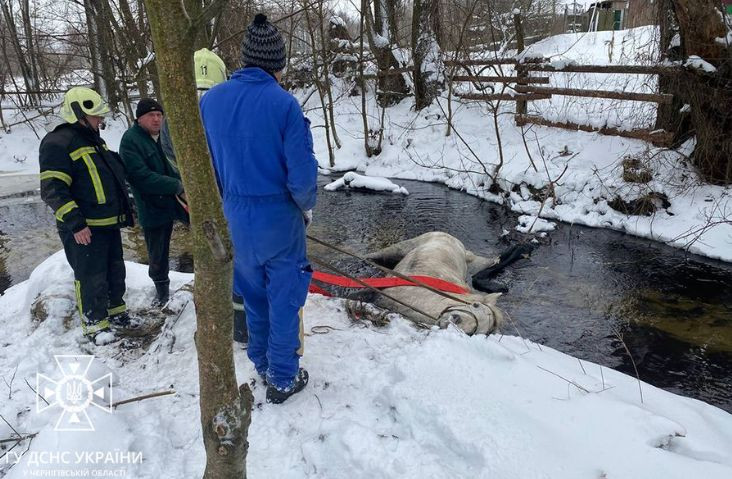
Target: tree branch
(208,13)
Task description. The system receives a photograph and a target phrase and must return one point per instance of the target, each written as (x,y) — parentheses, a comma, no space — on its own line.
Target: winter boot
(276,395)
(240,320)
(92,328)
(162,293)
(124,322)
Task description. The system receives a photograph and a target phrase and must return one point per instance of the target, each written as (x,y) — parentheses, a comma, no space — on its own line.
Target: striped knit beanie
(263,46)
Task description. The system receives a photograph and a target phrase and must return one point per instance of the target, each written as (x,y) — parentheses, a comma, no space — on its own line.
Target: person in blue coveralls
(262,152)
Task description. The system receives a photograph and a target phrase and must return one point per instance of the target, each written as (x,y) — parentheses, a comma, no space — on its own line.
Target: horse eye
(475,305)
(456,318)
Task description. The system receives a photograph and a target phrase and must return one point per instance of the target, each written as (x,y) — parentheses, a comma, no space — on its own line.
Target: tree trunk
(428,78)
(225,409)
(30,49)
(321,87)
(700,24)
(327,59)
(392,88)
(96,61)
(98,14)
(521,105)
(135,51)
(15,40)
(362,84)
(670,117)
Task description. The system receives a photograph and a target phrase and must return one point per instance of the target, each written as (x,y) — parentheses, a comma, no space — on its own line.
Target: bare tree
(30,49)
(428,67)
(25,69)
(392,86)
(706,83)
(320,76)
(225,409)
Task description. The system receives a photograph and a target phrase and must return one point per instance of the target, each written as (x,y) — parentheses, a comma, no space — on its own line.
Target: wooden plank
(478,63)
(628,69)
(660,138)
(500,79)
(502,96)
(613,95)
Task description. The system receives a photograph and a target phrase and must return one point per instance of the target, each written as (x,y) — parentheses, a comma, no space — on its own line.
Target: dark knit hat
(146,105)
(263,46)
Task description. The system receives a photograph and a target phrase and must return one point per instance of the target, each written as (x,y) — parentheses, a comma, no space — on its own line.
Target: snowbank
(355,181)
(382,402)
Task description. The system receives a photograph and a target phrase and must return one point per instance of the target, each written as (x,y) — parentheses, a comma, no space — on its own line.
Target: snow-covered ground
(382,402)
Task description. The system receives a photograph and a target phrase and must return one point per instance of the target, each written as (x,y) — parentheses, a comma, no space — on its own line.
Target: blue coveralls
(262,152)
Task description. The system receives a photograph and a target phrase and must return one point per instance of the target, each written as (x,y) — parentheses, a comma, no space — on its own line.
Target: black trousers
(99,272)
(157,241)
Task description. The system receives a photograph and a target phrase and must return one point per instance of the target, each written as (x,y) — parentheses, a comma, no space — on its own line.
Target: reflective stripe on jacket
(82,180)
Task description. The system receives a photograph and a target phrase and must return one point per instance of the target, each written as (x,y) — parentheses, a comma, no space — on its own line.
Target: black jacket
(82,180)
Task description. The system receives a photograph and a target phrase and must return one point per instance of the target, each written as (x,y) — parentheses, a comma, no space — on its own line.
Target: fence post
(520,71)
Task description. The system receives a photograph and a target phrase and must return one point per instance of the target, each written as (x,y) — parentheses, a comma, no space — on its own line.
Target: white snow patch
(338,21)
(353,180)
(533,224)
(699,63)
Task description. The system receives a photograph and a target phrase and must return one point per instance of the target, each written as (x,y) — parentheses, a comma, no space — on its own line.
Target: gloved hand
(307,216)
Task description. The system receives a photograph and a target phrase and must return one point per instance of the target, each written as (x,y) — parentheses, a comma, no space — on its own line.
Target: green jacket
(82,181)
(155,181)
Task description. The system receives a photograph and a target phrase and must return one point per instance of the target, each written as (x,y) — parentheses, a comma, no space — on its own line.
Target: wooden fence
(528,86)
(531,87)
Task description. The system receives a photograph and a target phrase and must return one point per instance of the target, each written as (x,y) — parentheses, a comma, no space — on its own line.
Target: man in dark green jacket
(84,184)
(157,189)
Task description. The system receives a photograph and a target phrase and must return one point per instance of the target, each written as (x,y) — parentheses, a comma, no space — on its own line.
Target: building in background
(606,16)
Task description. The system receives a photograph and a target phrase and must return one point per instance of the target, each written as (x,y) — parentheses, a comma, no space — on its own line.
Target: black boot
(276,395)
(162,293)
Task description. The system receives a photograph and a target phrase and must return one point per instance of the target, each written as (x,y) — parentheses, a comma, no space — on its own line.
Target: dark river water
(590,293)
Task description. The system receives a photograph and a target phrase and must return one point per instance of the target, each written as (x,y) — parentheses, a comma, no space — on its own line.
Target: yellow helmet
(80,102)
(210,69)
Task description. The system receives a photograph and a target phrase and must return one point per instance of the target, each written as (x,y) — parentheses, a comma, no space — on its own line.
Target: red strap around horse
(381,283)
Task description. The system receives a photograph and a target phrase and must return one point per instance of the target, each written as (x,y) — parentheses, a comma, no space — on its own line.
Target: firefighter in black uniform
(84,184)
